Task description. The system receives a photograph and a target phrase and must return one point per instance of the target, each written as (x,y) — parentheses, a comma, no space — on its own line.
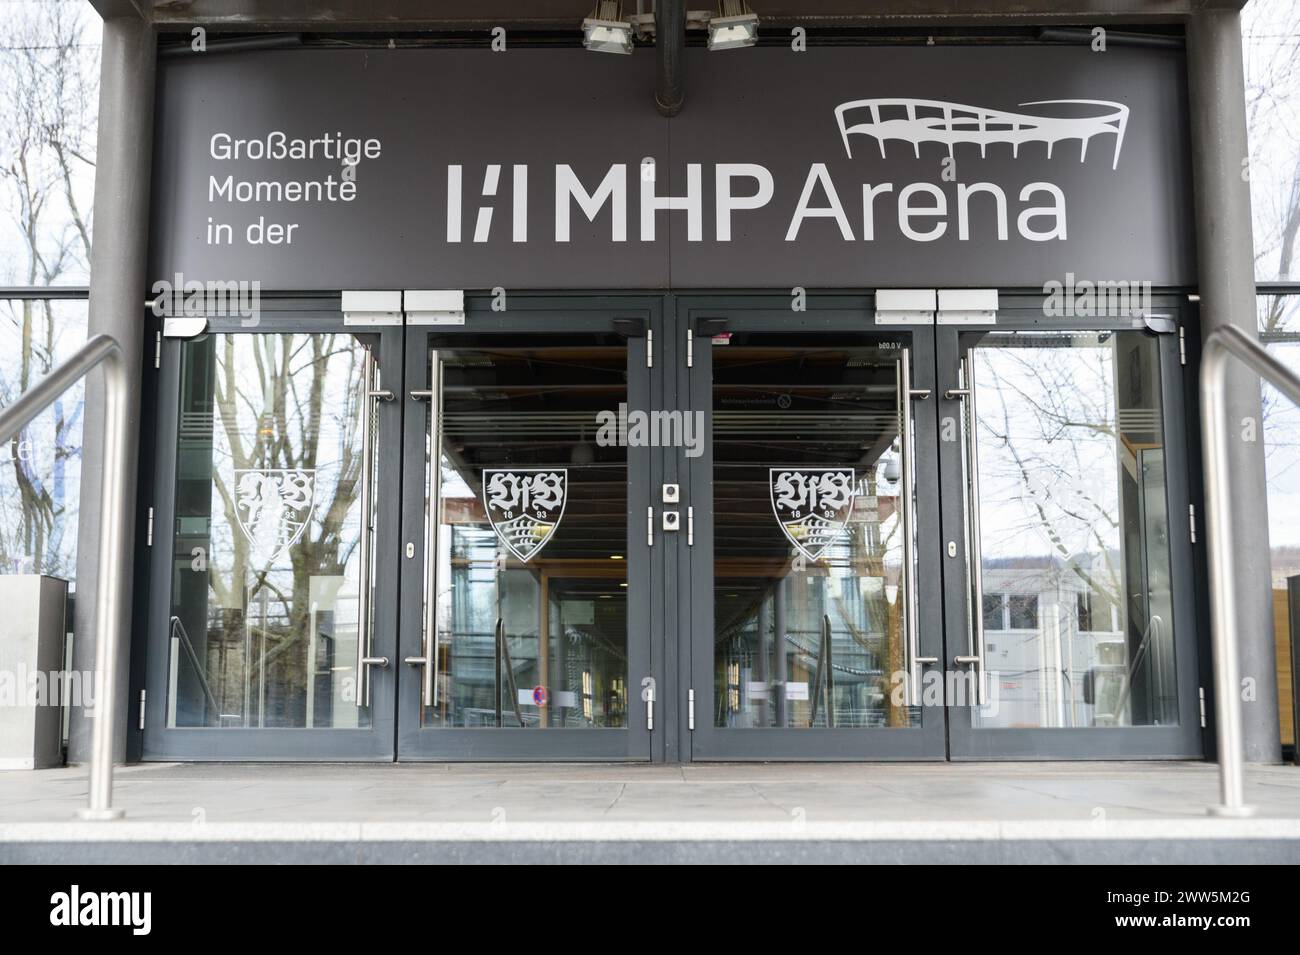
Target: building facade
(830,399)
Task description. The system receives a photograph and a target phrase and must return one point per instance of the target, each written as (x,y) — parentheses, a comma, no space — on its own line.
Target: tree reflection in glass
(268,523)
(1078,626)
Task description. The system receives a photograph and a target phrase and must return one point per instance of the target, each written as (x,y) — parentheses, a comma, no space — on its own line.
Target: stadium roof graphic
(933,121)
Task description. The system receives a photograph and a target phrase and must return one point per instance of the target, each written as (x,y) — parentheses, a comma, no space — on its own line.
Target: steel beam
(469,15)
(118,279)
(1225,255)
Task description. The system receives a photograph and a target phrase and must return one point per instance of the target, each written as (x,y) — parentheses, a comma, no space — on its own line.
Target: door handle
(369,393)
(975,563)
(429,685)
(911,633)
(428,661)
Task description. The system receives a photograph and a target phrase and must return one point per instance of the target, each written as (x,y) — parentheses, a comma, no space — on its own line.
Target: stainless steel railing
(112,582)
(182,637)
(1222,344)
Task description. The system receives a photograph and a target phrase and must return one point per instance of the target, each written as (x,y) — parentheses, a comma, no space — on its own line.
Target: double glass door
(404,540)
(930,541)
(814,574)
(525,628)
(667,528)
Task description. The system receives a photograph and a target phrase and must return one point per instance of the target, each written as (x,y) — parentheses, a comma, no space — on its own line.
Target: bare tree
(48,68)
(1271,38)
(1271,33)
(280,403)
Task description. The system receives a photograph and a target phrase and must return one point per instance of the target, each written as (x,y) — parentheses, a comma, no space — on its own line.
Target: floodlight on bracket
(734,26)
(607,30)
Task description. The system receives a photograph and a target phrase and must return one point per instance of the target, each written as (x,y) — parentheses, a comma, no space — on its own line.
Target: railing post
(112,589)
(112,584)
(1223,594)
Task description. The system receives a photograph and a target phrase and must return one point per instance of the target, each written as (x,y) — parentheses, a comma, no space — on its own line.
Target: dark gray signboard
(842,167)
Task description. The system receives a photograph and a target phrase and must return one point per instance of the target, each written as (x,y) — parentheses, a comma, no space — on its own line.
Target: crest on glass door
(812,505)
(273,507)
(525,506)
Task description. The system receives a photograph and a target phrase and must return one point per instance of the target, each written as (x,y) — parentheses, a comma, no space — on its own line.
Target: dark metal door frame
(533,315)
(673,608)
(272,744)
(1181,741)
(841,316)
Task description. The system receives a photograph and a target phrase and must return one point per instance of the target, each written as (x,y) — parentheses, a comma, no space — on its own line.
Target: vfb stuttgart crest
(273,507)
(525,506)
(812,505)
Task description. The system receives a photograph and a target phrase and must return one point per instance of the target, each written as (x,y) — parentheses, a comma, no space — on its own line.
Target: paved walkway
(747,812)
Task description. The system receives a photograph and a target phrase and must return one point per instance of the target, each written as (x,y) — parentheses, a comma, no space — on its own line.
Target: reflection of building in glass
(1059,653)
(1074,540)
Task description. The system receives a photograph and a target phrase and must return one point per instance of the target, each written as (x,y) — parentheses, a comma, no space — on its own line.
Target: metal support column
(1225,254)
(118,283)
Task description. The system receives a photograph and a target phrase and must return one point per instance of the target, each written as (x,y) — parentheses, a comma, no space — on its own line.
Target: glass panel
(1269,31)
(1074,529)
(806,636)
(533,634)
(49,72)
(40,473)
(266,564)
(1279,328)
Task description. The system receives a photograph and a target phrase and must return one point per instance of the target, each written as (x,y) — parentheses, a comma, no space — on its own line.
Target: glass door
(815,620)
(526,570)
(1070,620)
(273,612)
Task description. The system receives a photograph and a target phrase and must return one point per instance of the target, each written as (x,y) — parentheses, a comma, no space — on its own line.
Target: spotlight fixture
(606,30)
(735,25)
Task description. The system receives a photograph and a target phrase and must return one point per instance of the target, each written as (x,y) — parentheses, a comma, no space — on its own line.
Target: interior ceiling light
(606,30)
(734,26)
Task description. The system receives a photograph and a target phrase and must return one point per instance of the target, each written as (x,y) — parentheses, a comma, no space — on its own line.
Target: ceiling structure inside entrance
(544,15)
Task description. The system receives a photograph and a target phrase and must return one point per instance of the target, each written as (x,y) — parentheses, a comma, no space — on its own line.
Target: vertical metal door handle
(974,558)
(429,659)
(905,493)
(369,393)
(432,515)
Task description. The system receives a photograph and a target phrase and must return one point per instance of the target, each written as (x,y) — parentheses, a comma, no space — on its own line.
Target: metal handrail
(1224,343)
(188,646)
(1152,630)
(825,673)
(112,581)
